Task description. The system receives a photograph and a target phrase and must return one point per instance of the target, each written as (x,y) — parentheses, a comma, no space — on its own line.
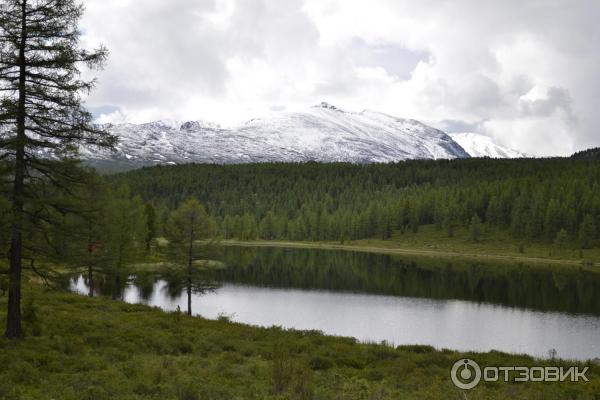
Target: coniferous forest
(552,200)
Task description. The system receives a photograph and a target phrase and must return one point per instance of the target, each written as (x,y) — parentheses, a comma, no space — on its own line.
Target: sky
(526,73)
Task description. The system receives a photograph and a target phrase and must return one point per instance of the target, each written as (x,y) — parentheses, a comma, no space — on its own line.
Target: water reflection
(570,289)
(171,282)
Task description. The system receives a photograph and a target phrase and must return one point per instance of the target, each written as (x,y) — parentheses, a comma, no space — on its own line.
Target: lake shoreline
(368,248)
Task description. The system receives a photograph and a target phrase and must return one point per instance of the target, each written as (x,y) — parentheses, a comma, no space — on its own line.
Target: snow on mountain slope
(321,133)
(478,145)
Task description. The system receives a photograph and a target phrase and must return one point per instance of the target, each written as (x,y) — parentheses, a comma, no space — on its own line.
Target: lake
(460,305)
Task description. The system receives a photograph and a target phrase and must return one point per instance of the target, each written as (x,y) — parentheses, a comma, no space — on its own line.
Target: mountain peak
(326,106)
(198,125)
(163,123)
(478,145)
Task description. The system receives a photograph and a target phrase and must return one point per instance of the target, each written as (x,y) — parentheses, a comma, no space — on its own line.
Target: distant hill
(589,154)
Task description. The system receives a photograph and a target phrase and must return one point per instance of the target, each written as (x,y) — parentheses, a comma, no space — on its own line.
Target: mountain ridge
(478,145)
(322,133)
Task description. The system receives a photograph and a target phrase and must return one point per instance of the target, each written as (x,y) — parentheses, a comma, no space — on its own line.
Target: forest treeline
(549,200)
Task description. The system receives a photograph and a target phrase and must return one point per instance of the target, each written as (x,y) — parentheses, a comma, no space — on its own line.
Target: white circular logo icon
(465,374)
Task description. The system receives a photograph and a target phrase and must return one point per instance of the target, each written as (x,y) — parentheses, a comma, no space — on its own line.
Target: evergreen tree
(150,214)
(552,222)
(126,235)
(188,224)
(475,228)
(267,226)
(561,239)
(89,231)
(451,220)
(413,219)
(587,232)
(41,113)
(494,213)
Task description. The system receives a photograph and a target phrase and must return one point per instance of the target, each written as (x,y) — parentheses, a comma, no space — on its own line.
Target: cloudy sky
(526,73)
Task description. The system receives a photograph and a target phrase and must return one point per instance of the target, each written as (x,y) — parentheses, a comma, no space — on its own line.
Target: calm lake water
(456,305)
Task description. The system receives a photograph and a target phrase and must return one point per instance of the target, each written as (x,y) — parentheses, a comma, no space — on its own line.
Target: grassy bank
(82,348)
(428,241)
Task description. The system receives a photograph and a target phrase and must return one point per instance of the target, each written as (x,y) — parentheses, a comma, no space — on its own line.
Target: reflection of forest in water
(567,289)
(176,283)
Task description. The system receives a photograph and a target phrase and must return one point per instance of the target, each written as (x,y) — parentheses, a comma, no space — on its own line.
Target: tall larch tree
(42,119)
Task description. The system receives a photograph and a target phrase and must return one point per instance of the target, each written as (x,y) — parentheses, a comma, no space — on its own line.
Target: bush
(30,317)
(281,371)
(320,363)
(350,362)
(416,348)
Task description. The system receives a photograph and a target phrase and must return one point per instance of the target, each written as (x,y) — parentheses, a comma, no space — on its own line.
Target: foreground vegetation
(82,348)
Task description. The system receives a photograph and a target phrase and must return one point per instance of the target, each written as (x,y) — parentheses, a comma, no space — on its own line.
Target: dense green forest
(549,200)
(589,154)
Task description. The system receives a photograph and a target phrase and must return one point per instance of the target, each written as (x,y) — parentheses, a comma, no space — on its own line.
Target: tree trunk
(90,281)
(189,295)
(189,278)
(190,260)
(13,318)
(116,293)
(90,269)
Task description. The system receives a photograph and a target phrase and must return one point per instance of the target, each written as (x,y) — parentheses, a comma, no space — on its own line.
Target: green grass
(82,348)
(492,242)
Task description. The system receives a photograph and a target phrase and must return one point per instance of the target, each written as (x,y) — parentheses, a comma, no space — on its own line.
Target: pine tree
(41,114)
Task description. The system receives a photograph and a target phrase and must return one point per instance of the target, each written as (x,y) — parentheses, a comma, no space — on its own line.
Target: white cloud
(523,72)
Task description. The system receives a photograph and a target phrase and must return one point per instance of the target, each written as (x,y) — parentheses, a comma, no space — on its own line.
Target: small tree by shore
(188,225)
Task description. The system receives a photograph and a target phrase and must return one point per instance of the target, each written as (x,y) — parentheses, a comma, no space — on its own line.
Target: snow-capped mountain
(321,133)
(478,145)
